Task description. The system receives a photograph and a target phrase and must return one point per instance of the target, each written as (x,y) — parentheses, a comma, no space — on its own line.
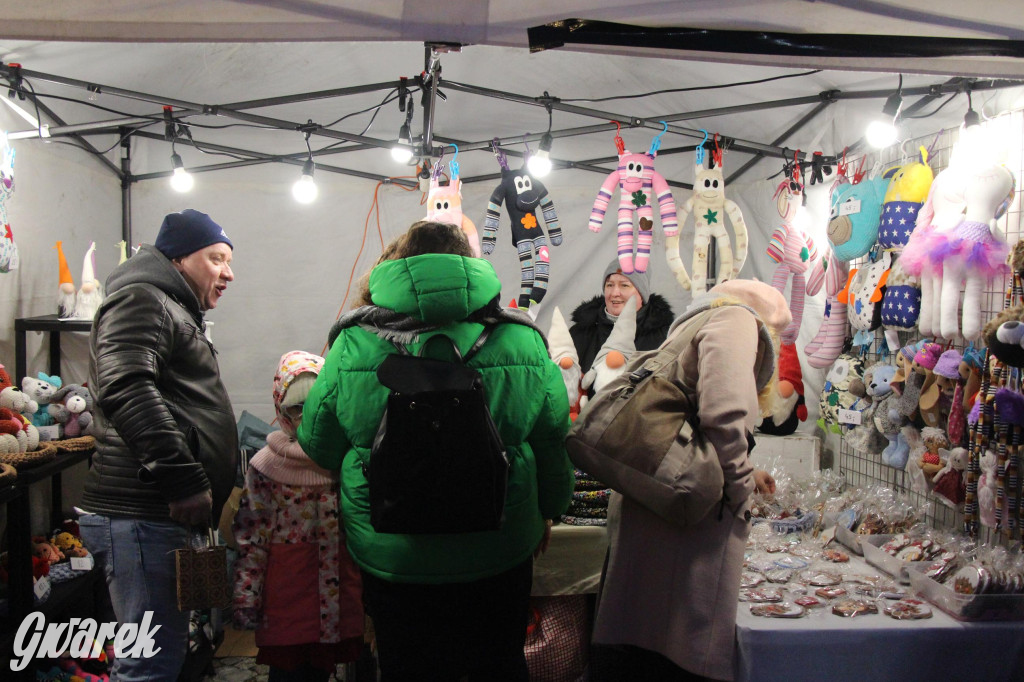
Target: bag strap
(668,352)
(463,359)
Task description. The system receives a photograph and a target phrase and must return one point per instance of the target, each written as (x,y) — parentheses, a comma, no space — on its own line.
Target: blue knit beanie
(187,232)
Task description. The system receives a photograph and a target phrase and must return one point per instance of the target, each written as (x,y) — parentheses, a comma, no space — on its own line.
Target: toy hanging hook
(716,153)
(656,142)
(454,164)
(499,154)
(700,148)
(526,143)
(438,167)
(620,144)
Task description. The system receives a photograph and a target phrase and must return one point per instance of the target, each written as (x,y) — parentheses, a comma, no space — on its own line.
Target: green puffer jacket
(527,399)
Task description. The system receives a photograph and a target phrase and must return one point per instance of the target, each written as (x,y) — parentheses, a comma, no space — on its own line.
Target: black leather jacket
(163,423)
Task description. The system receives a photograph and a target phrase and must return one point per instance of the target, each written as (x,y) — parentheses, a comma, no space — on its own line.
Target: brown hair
(422,237)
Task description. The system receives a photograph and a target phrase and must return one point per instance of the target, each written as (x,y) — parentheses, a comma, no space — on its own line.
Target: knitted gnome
(66,288)
(563,352)
(616,351)
(789,407)
(90,293)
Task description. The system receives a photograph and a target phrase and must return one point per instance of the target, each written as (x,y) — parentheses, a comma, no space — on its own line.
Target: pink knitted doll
(638,183)
(794,251)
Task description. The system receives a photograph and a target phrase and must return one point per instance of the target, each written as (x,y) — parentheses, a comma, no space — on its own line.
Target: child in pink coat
(295,582)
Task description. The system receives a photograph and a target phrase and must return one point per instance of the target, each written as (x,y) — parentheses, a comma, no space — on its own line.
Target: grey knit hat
(641,280)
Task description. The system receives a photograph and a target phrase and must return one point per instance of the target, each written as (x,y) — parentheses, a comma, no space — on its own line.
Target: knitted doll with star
(794,251)
(65,286)
(614,354)
(523,195)
(710,209)
(90,291)
(563,352)
(295,583)
(639,184)
(444,204)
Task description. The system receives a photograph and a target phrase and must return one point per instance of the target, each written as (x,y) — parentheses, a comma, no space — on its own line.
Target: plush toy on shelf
(90,292)
(24,408)
(638,184)
(72,406)
(563,353)
(65,286)
(710,209)
(614,354)
(444,202)
(522,195)
(41,390)
(794,251)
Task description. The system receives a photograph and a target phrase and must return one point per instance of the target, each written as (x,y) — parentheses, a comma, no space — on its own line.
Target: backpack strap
(480,341)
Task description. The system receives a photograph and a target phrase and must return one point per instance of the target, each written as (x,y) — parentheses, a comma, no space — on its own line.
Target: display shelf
(44,323)
(49,469)
(9,492)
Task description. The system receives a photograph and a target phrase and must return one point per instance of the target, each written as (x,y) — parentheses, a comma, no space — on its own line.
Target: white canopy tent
(293,263)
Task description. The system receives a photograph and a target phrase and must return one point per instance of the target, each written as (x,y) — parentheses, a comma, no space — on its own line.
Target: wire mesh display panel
(863,469)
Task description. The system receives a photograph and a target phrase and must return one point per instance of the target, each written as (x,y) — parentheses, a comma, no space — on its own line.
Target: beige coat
(673,590)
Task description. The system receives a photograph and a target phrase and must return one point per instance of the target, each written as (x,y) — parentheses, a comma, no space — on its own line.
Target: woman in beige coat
(668,603)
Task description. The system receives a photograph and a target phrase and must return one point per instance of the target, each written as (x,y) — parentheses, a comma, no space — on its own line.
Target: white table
(573,562)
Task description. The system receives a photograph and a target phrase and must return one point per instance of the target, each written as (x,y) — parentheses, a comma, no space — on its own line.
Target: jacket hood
(149,266)
(435,288)
(655,314)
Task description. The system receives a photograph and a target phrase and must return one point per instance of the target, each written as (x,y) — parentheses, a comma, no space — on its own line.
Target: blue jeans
(138,562)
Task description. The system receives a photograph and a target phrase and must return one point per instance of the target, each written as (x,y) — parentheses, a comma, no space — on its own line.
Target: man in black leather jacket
(166,443)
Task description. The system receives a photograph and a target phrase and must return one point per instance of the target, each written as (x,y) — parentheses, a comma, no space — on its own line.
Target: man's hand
(192,511)
(763,482)
(543,545)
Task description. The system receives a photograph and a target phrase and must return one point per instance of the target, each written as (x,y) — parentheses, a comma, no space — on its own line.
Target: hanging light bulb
(304,190)
(181,180)
(881,132)
(402,150)
(539,164)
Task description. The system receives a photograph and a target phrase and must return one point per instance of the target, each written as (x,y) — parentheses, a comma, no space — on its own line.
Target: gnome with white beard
(65,287)
(563,352)
(616,351)
(90,293)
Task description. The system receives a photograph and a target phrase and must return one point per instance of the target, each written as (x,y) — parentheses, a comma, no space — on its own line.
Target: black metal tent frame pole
(236,111)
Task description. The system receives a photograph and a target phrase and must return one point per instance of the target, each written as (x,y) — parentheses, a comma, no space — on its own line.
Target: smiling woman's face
(617,290)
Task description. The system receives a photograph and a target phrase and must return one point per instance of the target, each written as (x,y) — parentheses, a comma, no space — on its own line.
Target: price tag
(850,206)
(81,563)
(41,587)
(849,417)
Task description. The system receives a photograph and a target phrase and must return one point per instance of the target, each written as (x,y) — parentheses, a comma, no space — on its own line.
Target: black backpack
(438,464)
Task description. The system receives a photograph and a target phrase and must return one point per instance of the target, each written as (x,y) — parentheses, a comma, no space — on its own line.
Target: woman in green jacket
(444,606)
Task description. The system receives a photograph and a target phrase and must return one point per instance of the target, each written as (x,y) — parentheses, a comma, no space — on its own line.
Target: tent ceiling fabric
(505,23)
(211,75)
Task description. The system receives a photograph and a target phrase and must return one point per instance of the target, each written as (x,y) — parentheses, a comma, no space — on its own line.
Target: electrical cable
(937,109)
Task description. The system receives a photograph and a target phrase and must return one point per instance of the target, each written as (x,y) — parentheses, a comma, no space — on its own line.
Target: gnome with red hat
(789,407)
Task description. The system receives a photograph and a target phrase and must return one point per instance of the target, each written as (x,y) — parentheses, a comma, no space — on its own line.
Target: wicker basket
(25,460)
(8,475)
(75,444)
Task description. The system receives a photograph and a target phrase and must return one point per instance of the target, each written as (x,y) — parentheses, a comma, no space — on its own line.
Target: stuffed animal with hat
(564,354)
(444,203)
(709,208)
(523,195)
(789,407)
(72,406)
(8,249)
(65,286)
(950,384)
(90,291)
(639,184)
(794,251)
(41,390)
(973,255)
(950,488)
(616,351)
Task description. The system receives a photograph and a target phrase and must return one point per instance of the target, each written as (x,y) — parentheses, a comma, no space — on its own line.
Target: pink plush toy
(795,253)
(444,203)
(638,183)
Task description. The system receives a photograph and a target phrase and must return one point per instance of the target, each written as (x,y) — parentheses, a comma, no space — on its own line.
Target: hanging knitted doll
(444,203)
(972,255)
(522,195)
(638,183)
(8,249)
(710,209)
(794,251)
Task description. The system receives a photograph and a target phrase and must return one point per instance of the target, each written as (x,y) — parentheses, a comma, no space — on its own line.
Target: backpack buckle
(639,375)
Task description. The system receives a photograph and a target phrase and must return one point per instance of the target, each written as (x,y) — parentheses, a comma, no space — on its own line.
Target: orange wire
(374,210)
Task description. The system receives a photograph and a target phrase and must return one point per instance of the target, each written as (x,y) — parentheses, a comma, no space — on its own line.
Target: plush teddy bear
(1004,335)
(45,550)
(72,407)
(68,544)
(949,483)
(41,390)
(23,407)
(13,438)
(874,431)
